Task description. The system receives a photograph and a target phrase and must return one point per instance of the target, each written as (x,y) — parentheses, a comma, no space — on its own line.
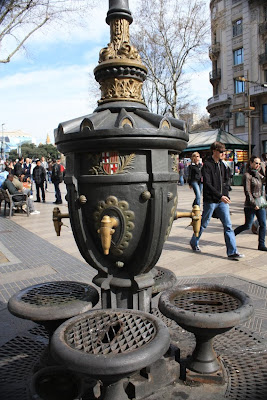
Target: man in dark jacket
(18,167)
(57,178)
(216,197)
(39,176)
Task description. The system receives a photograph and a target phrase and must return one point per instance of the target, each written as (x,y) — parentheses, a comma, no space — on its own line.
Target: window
(239,86)
(264,113)
(239,119)
(265,76)
(238,27)
(238,56)
(265,13)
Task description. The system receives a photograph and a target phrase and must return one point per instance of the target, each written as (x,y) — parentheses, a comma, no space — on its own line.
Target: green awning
(202,140)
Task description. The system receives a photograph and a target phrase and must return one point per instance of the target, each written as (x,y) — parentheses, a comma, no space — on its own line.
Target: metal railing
(215,74)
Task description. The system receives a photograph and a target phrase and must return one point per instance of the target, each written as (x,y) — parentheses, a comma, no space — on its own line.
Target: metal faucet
(195,214)
(106,231)
(57,216)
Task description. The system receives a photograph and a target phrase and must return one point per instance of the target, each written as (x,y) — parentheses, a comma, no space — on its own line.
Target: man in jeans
(216,198)
(57,178)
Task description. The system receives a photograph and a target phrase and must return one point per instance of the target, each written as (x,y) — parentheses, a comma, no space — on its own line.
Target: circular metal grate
(205,301)
(110,333)
(56,293)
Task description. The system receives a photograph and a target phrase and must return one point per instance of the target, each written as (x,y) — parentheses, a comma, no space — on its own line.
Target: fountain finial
(119,9)
(120,72)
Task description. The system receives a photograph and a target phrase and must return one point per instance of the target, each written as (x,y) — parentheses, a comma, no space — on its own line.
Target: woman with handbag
(195,177)
(255,202)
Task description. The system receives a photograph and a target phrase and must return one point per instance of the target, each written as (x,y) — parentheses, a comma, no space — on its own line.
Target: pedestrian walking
(39,175)
(44,164)
(253,188)
(57,178)
(181,173)
(195,177)
(216,197)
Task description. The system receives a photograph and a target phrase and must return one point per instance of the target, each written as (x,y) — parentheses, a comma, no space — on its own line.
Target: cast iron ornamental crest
(110,162)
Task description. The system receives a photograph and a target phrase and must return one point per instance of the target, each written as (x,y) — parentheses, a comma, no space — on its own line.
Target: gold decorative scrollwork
(173,210)
(174,158)
(119,47)
(126,88)
(120,208)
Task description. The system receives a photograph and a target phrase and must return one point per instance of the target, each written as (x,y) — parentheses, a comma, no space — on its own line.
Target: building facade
(238,53)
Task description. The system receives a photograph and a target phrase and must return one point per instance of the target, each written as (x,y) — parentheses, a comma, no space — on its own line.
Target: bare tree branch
(20,19)
(169,35)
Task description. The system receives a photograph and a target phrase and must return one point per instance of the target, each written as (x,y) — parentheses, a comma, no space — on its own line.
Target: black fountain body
(121,174)
(205,310)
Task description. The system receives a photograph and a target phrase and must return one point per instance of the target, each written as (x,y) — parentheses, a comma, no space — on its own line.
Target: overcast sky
(52,81)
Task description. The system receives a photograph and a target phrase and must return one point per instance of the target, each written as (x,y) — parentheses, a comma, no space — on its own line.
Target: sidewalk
(31,253)
(177,254)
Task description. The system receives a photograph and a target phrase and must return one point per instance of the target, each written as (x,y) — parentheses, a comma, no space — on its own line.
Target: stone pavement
(30,253)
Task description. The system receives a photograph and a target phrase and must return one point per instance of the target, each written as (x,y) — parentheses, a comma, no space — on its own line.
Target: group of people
(18,178)
(213,176)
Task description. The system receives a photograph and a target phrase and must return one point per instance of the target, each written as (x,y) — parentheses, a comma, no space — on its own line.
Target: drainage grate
(17,360)
(243,352)
(248,376)
(205,301)
(110,333)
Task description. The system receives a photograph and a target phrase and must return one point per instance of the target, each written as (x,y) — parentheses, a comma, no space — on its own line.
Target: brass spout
(195,214)
(57,216)
(106,231)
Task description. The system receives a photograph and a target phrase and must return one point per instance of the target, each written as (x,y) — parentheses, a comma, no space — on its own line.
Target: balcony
(214,50)
(219,100)
(263,28)
(215,74)
(263,58)
(257,89)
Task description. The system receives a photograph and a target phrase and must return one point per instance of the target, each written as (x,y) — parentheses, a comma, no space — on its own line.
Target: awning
(202,140)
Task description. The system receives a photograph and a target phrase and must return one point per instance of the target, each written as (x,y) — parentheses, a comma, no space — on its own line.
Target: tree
(20,19)
(202,124)
(32,151)
(170,37)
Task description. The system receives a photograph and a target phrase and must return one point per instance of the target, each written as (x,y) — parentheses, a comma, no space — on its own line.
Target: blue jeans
(223,212)
(181,180)
(197,187)
(249,217)
(57,191)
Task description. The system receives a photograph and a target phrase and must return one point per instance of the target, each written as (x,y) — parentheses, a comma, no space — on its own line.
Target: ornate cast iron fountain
(121,179)
(121,174)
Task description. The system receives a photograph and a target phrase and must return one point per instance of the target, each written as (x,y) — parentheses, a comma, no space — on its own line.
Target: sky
(51,81)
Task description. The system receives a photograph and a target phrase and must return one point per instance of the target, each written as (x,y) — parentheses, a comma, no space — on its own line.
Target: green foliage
(13,155)
(32,151)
